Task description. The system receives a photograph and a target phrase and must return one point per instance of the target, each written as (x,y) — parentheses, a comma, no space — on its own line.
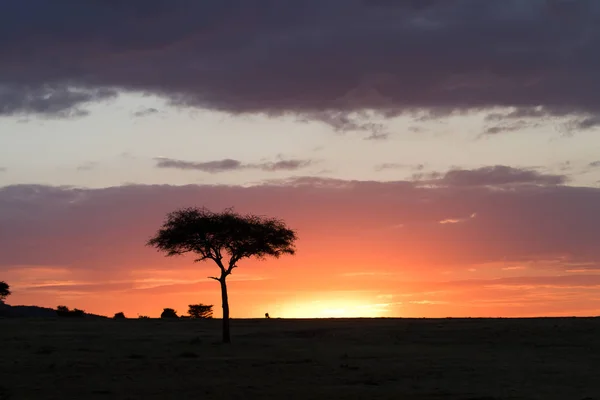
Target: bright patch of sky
(113,146)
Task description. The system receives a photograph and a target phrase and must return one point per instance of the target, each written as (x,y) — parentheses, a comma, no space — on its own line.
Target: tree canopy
(200,311)
(217,236)
(4,290)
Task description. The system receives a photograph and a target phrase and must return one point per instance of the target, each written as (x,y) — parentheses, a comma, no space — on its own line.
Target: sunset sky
(437,158)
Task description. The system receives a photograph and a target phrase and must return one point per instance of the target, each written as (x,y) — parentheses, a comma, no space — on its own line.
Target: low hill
(8,311)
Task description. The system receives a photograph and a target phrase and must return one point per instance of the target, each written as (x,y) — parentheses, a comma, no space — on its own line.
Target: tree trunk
(225,301)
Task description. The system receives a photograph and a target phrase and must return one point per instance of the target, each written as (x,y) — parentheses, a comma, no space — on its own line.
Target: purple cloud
(305,56)
(498,175)
(106,228)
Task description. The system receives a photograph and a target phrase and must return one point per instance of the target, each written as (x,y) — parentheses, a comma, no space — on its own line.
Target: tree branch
(220,264)
(215,278)
(230,268)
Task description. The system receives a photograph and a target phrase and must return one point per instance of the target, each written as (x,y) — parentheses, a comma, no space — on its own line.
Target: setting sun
(342,308)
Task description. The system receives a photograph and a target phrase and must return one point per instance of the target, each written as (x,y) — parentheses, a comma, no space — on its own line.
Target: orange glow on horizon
(333,308)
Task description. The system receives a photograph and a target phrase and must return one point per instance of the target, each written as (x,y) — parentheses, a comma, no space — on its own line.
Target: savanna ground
(301,359)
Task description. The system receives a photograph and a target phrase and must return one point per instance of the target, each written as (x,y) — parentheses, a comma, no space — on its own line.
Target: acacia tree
(200,311)
(225,238)
(4,291)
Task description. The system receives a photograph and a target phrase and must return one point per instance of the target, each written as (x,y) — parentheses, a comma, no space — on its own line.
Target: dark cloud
(103,229)
(508,127)
(145,112)
(282,165)
(497,175)
(55,100)
(318,59)
(594,164)
(228,164)
(212,167)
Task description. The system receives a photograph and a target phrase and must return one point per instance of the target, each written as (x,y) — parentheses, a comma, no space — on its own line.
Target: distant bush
(143,317)
(200,311)
(119,315)
(169,313)
(63,311)
(4,291)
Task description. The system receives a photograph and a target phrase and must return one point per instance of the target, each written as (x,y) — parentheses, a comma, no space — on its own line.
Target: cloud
(228,164)
(457,220)
(3,169)
(498,175)
(377,135)
(52,100)
(87,166)
(511,126)
(145,112)
(594,164)
(212,167)
(413,167)
(106,228)
(306,58)
(282,165)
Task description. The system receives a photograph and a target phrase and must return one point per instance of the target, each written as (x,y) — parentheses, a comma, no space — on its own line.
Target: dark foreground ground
(301,359)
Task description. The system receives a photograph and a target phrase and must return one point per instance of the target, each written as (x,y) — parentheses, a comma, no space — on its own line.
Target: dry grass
(301,359)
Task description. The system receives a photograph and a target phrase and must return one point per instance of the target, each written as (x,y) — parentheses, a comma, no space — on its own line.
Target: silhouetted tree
(169,313)
(225,238)
(201,311)
(4,291)
(63,311)
(119,315)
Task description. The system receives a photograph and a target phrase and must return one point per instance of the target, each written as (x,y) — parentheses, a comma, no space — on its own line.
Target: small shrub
(143,317)
(119,315)
(169,313)
(4,291)
(63,311)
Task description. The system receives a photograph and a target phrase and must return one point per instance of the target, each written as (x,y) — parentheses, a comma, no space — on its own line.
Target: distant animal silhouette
(267,315)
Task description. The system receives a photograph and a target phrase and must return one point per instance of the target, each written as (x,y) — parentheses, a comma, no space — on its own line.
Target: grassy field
(301,359)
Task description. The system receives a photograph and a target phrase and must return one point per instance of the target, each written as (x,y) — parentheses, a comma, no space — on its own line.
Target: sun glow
(334,309)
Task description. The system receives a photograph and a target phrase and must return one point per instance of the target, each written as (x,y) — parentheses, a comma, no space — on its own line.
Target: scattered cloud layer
(145,112)
(305,57)
(498,175)
(228,164)
(68,226)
